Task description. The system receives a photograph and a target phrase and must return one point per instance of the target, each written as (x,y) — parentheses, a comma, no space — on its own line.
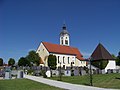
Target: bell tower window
(66,42)
(62,42)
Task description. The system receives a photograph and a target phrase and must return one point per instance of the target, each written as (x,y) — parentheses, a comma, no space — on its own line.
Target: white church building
(64,53)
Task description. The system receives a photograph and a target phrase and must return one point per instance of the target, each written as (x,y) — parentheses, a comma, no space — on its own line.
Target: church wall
(43,53)
(111,65)
(80,63)
(65,61)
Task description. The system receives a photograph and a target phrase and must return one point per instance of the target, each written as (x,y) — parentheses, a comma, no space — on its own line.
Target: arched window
(68,60)
(63,59)
(66,41)
(62,41)
(58,59)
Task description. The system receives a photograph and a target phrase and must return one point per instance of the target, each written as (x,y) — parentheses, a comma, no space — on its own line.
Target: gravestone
(1,73)
(67,72)
(83,72)
(53,72)
(8,73)
(14,72)
(48,74)
(76,71)
(37,72)
(20,74)
(114,71)
(103,71)
(38,68)
(95,72)
(98,71)
(108,71)
(118,70)
(57,72)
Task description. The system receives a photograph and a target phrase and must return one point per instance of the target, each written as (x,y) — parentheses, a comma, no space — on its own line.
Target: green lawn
(104,81)
(24,84)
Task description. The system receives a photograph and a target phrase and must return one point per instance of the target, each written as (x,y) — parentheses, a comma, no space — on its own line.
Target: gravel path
(63,85)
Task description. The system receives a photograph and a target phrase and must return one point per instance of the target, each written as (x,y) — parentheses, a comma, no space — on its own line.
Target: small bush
(42,73)
(30,71)
(101,64)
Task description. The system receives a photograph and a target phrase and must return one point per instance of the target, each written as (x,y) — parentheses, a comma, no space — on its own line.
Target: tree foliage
(11,62)
(33,57)
(23,62)
(1,62)
(118,59)
(101,64)
(52,61)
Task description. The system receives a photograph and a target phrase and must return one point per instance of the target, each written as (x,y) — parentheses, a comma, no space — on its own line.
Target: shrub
(101,64)
(30,71)
(42,72)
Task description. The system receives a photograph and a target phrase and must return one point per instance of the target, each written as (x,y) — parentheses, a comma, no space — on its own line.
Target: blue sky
(25,23)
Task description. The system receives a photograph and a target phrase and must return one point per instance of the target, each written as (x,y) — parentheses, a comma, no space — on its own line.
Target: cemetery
(99,69)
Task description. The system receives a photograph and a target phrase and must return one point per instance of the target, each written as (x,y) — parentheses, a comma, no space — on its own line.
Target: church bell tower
(64,36)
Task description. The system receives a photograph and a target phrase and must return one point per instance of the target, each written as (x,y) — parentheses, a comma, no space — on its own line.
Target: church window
(62,41)
(73,62)
(58,59)
(66,37)
(68,60)
(63,59)
(66,42)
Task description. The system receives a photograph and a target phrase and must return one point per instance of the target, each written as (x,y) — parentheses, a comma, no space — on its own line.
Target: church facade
(65,54)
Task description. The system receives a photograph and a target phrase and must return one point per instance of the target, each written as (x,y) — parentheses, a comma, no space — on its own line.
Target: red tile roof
(60,49)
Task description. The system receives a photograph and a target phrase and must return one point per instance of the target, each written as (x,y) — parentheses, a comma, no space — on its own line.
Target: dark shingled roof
(64,30)
(100,53)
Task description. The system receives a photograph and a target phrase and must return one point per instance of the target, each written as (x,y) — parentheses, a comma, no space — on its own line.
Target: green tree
(52,61)
(23,62)
(1,62)
(101,64)
(11,62)
(118,59)
(114,56)
(33,57)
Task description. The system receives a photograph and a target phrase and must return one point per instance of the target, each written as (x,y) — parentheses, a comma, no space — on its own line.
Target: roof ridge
(101,46)
(61,45)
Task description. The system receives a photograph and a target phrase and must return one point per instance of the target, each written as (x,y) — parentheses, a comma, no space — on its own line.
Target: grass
(101,80)
(24,84)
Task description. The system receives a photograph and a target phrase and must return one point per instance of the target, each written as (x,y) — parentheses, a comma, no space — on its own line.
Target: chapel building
(65,54)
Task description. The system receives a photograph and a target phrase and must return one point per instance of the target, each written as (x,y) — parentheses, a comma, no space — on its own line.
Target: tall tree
(23,62)
(33,57)
(52,61)
(11,62)
(1,62)
(118,59)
